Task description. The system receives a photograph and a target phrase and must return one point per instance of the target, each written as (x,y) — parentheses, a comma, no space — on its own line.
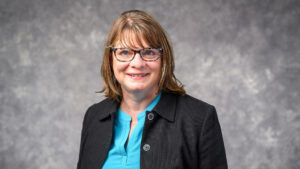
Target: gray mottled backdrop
(243,56)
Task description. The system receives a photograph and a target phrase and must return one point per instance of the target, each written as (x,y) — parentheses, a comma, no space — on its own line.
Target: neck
(136,102)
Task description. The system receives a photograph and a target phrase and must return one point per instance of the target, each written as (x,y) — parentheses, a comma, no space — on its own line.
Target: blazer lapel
(100,134)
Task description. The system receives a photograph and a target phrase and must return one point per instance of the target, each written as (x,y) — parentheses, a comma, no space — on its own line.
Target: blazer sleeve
(83,134)
(211,149)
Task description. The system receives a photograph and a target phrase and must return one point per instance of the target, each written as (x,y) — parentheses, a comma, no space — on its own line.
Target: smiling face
(137,75)
(138,24)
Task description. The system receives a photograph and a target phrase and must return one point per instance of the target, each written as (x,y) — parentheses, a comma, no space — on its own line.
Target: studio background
(242,56)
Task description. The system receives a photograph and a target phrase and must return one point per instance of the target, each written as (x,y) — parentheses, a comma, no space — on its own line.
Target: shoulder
(188,99)
(193,104)
(100,110)
(102,105)
(195,109)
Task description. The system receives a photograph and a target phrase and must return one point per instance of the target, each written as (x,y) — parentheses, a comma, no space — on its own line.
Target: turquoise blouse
(119,155)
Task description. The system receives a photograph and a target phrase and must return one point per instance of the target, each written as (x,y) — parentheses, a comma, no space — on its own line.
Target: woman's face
(137,75)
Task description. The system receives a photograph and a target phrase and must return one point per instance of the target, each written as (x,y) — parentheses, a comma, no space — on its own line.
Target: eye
(124,52)
(150,52)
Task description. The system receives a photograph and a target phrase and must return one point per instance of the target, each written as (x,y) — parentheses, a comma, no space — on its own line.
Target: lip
(137,76)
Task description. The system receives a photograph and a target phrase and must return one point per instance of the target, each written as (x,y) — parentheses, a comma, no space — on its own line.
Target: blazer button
(150,116)
(146,147)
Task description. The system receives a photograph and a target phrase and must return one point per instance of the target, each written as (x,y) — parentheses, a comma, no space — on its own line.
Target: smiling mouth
(138,75)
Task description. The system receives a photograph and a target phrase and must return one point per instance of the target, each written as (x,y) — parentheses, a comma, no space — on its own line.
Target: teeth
(139,75)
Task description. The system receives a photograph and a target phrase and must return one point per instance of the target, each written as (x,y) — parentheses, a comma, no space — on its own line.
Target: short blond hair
(145,27)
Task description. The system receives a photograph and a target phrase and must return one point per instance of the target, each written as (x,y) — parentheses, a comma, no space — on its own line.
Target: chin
(138,88)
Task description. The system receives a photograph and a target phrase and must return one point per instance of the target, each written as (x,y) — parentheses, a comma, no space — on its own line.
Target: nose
(137,61)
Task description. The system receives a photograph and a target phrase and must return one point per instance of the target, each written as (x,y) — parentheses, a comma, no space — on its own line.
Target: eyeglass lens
(128,54)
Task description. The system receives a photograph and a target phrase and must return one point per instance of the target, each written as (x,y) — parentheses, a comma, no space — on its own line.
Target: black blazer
(180,133)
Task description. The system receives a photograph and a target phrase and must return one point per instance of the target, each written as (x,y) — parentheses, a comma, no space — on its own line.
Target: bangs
(133,37)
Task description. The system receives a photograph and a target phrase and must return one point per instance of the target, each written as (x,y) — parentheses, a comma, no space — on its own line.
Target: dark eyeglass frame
(136,51)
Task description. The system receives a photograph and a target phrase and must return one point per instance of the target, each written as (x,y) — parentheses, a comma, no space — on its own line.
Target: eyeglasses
(128,54)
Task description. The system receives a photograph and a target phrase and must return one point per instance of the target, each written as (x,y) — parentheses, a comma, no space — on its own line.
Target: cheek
(159,66)
(119,66)
(157,69)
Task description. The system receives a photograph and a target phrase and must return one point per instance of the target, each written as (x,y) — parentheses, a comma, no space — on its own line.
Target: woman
(147,120)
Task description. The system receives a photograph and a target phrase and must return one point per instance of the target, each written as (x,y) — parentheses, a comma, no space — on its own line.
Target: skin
(138,92)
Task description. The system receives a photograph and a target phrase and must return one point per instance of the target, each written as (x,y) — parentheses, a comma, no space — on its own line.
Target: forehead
(131,39)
